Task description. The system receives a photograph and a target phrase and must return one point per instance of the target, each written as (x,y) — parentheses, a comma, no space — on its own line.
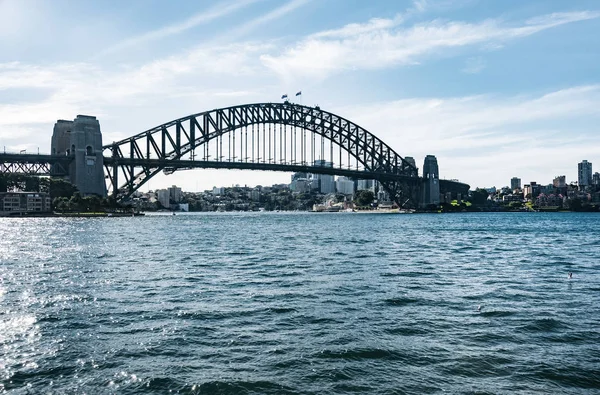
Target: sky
(494,89)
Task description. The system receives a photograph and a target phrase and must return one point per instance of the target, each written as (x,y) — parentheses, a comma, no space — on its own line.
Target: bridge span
(262,136)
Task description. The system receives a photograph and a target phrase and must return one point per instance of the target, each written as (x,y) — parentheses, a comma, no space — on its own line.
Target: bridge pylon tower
(81,141)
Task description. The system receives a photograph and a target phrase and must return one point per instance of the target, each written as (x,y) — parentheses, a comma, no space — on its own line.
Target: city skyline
(492,90)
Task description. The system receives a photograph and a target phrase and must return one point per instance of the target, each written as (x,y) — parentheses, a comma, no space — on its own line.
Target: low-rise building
(25,202)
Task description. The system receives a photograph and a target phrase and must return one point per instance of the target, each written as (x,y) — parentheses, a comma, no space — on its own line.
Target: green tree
(364,198)
(575,204)
(61,188)
(479,196)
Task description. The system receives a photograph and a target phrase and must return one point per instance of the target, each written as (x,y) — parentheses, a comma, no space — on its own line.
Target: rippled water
(300,304)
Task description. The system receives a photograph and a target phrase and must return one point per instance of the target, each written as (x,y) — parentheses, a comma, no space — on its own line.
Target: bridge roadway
(46,165)
(38,164)
(170,166)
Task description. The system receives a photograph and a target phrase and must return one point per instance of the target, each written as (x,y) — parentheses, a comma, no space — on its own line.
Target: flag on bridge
(284,96)
(299,93)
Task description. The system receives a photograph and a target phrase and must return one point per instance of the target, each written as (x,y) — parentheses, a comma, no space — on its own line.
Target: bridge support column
(81,140)
(431,182)
(115,180)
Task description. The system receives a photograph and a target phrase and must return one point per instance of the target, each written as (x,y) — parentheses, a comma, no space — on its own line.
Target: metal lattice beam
(43,165)
(272,136)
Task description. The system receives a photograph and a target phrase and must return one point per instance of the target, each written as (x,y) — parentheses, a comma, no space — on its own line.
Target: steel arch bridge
(263,136)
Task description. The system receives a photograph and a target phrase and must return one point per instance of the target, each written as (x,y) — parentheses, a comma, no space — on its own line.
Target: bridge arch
(196,141)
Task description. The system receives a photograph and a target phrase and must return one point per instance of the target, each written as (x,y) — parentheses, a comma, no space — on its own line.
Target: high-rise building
(535,189)
(584,173)
(175,194)
(365,185)
(559,182)
(326,181)
(344,185)
(163,196)
(296,176)
(596,178)
(527,191)
(431,181)
(515,183)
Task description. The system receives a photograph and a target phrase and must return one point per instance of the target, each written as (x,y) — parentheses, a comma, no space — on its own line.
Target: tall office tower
(344,185)
(584,173)
(326,181)
(365,185)
(431,181)
(596,178)
(515,183)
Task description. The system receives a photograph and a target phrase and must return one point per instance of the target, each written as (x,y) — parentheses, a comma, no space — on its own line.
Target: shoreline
(71,215)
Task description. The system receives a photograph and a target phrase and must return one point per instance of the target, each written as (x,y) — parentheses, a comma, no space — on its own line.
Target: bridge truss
(32,164)
(263,136)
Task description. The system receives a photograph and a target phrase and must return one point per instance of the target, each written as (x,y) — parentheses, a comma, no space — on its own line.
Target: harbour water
(299,303)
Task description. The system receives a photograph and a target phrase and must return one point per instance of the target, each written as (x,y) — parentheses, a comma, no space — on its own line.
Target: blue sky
(494,89)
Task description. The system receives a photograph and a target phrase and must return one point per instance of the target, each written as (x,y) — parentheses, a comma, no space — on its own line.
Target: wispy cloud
(379,43)
(529,136)
(216,12)
(270,16)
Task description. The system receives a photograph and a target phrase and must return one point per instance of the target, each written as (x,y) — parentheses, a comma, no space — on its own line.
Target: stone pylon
(81,139)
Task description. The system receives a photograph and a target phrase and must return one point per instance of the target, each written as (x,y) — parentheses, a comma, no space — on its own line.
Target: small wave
(234,387)
(416,274)
(359,354)
(401,301)
(282,310)
(543,325)
(498,313)
(407,331)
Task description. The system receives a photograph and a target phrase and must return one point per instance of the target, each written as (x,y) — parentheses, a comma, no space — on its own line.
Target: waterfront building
(344,185)
(512,198)
(559,182)
(431,181)
(547,189)
(535,189)
(218,191)
(584,173)
(175,194)
(163,196)
(254,195)
(596,178)
(527,191)
(25,202)
(300,185)
(515,183)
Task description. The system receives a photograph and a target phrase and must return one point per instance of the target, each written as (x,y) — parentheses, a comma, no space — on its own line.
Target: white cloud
(84,87)
(216,12)
(485,140)
(353,29)
(378,44)
(275,14)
